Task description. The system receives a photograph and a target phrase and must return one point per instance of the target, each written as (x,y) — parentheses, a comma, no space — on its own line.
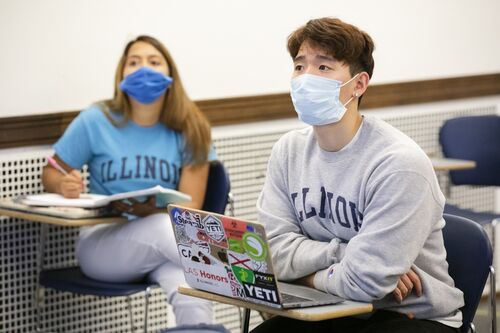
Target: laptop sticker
(264,289)
(243,275)
(254,246)
(238,259)
(260,266)
(236,286)
(234,229)
(214,278)
(183,217)
(213,228)
(260,294)
(196,254)
(219,254)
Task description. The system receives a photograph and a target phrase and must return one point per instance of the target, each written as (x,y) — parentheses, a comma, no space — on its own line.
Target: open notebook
(163,195)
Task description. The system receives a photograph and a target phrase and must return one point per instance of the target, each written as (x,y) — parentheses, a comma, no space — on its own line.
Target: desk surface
(344,309)
(59,220)
(450,164)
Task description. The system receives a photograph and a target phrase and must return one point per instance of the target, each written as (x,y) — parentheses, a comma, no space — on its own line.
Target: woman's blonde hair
(179,113)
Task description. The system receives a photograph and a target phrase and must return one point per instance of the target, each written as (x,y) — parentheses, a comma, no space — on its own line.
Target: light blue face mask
(317,99)
(145,85)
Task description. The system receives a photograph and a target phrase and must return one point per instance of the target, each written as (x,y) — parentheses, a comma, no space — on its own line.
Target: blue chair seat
(73,280)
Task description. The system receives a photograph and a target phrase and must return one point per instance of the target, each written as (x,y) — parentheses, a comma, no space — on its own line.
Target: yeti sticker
(213,228)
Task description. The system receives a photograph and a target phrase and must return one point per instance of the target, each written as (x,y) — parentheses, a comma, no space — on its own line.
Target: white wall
(59,55)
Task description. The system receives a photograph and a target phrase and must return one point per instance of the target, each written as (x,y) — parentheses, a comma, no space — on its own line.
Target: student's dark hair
(341,40)
(179,112)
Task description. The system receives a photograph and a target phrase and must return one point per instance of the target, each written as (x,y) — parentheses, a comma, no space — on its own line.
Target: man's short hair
(341,40)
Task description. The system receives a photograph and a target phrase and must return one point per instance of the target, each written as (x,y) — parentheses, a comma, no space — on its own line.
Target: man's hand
(307,280)
(135,207)
(406,283)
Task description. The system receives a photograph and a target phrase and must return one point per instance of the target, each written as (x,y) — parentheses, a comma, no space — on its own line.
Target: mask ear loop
(352,78)
(355,94)
(349,101)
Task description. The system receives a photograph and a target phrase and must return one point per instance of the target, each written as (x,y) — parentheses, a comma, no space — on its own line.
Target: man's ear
(362,82)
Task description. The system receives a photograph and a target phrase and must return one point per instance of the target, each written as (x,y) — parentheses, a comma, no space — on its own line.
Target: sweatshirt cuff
(333,247)
(321,278)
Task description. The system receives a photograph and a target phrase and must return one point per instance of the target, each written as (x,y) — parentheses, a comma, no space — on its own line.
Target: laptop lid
(230,256)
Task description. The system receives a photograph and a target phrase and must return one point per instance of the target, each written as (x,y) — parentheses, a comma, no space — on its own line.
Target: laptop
(230,257)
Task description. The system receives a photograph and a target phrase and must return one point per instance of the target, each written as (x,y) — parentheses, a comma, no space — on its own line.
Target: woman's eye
(298,67)
(132,63)
(323,68)
(155,62)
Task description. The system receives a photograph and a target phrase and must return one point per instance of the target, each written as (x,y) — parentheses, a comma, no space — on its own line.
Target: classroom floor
(482,319)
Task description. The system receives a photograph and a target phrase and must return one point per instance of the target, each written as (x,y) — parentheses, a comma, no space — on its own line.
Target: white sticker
(213,228)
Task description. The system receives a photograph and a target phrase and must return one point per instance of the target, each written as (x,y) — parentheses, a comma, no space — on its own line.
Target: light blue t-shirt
(124,158)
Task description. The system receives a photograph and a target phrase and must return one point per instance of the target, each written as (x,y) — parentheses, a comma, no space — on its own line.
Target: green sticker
(243,275)
(235,245)
(254,246)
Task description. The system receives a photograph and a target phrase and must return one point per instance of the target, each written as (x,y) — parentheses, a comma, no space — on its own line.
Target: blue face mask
(145,85)
(317,99)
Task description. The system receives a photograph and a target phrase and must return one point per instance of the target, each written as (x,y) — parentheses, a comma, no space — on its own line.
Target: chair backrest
(469,256)
(218,187)
(474,138)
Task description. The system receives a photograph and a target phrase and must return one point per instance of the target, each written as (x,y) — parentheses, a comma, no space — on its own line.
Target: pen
(55,165)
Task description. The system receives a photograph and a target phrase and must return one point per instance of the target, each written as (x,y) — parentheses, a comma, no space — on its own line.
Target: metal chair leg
(146,306)
(230,201)
(493,238)
(131,315)
(39,292)
(493,302)
(38,307)
(246,320)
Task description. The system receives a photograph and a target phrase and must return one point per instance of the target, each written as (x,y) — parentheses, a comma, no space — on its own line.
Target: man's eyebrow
(319,56)
(325,57)
(299,58)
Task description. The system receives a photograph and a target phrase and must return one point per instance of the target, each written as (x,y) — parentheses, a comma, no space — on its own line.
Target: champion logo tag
(330,273)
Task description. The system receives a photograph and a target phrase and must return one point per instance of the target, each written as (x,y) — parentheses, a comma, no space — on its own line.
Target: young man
(352,205)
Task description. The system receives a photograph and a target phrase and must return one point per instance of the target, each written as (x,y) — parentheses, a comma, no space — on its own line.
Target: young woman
(146,135)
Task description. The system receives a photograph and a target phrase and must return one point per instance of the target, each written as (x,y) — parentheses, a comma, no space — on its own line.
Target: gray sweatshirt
(360,217)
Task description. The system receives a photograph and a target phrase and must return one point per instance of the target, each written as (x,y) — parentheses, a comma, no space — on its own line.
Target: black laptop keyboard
(287,298)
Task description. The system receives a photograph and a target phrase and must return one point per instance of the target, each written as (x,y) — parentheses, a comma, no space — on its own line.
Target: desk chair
(474,138)
(72,279)
(470,257)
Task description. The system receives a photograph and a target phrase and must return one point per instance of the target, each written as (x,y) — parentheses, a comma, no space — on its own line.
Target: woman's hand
(406,283)
(71,185)
(136,207)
